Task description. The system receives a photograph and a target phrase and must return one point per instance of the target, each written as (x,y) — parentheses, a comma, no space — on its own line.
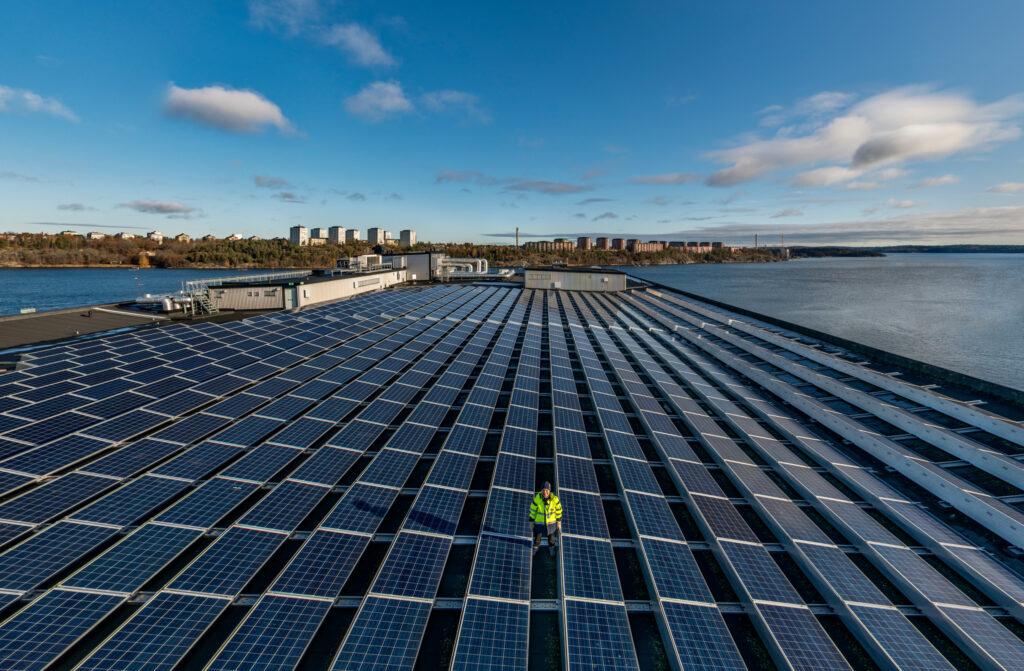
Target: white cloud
(23,101)
(827,176)
(360,44)
(862,186)
(666,178)
(1007,187)
(172,209)
(814,106)
(235,110)
(75,207)
(897,126)
(378,101)
(941,180)
(788,212)
(287,16)
(460,103)
(903,204)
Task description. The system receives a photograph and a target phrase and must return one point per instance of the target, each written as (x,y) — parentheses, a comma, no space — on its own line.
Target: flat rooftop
(348,486)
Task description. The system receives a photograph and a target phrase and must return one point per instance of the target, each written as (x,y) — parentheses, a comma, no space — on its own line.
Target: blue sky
(833,122)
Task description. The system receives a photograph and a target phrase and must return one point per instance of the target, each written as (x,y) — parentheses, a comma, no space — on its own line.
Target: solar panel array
(301,488)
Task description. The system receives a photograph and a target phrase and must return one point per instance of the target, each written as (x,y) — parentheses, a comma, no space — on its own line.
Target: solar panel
(42,556)
(51,624)
(273,636)
(208,503)
(494,636)
(362,508)
(413,566)
(159,635)
(385,635)
(128,565)
(902,641)
(507,513)
(229,563)
(326,466)
(285,507)
(54,498)
(261,464)
(132,502)
(702,638)
(199,461)
(584,514)
(761,576)
(390,467)
(501,568)
(436,510)
(588,569)
(598,636)
(804,642)
(322,566)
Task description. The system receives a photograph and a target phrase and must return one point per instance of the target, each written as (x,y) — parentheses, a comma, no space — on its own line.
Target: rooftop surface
(348,487)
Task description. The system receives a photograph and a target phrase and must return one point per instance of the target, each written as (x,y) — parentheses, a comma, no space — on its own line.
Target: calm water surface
(54,288)
(964,312)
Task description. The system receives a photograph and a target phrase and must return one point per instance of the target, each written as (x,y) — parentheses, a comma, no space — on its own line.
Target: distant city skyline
(463,122)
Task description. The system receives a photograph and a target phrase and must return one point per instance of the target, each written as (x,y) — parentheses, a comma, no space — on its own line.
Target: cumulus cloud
(814,106)
(905,124)
(289,197)
(379,101)
(1007,187)
(457,103)
(171,209)
(667,178)
(605,215)
(941,180)
(75,207)
(268,182)
(23,101)
(234,110)
(788,212)
(902,204)
(361,46)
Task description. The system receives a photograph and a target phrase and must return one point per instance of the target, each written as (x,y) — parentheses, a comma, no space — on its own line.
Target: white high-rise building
(336,235)
(352,235)
(298,235)
(375,236)
(156,236)
(318,233)
(407,238)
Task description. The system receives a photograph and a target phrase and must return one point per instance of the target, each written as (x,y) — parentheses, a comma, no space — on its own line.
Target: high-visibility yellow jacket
(545,511)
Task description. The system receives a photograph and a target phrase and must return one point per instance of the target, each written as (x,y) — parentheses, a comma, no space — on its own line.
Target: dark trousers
(551,530)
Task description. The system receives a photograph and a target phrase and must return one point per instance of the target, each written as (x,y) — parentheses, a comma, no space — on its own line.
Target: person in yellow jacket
(546,515)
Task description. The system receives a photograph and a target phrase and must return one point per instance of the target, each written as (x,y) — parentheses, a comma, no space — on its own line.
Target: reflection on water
(959,311)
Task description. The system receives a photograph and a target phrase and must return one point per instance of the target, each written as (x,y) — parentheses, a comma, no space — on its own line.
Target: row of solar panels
(873,618)
(225,566)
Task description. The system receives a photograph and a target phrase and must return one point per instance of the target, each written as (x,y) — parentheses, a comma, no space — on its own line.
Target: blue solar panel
(198,461)
(159,635)
(502,568)
(514,472)
(413,566)
(273,636)
(652,516)
(285,507)
(900,639)
(574,473)
(322,566)
(127,566)
(41,432)
(361,508)
(390,467)
(56,455)
(191,428)
(40,557)
(804,642)
(237,406)
(132,502)
(247,432)
(598,636)
(261,464)
(303,432)
(125,426)
(842,574)
(588,569)
(571,442)
(702,638)
(227,565)
(760,574)
(453,470)
(357,435)
(436,510)
(723,518)
(286,408)
(675,573)
(508,513)
(583,514)
(53,498)
(385,635)
(50,625)
(326,466)
(208,503)
(494,636)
